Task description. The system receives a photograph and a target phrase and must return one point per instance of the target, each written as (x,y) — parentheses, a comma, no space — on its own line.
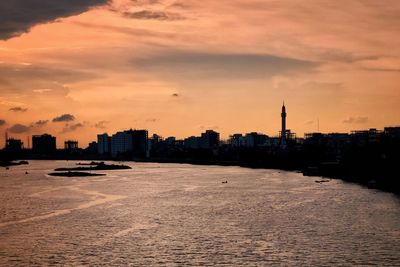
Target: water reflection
(170,214)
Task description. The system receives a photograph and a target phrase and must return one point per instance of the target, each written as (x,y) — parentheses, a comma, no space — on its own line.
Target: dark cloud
(155,15)
(18,16)
(40,123)
(175,95)
(18,109)
(72,127)
(18,128)
(358,119)
(2,122)
(209,66)
(64,118)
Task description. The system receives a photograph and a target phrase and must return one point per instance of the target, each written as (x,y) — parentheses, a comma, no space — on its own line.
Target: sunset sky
(76,68)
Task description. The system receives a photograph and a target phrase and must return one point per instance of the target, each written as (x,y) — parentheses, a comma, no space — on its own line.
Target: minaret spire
(283,130)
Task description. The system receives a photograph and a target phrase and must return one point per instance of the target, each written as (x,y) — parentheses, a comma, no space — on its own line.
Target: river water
(181,215)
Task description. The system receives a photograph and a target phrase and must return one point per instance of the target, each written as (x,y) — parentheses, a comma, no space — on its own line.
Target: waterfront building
(139,142)
(92,147)
(44,144)
(254,139)
(192,142)
(209,139)
(131,141)
(121,142)
(365,137)
(236,140)
(14,145)
(170,141)
(103,144)
(71,145)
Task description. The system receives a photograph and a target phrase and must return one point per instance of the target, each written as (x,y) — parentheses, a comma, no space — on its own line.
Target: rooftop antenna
(318,124)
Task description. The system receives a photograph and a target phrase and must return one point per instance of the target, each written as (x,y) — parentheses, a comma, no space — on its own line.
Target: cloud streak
(18,109)
(101,124)
(222,66)
(153,15)
(64,118)
(72,127)
(40,123)
(357,120)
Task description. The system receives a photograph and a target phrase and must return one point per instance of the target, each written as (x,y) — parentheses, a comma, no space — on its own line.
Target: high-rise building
(103,144)
(121,142)
(133,141)
(139,142)
(209,139)
(44,144)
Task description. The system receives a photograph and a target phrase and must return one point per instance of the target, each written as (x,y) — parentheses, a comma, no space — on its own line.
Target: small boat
(322,181)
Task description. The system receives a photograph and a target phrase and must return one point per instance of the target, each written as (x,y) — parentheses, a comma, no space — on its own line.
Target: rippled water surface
(171,214)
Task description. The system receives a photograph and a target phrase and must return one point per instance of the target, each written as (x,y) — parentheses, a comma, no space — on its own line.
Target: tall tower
(283,130)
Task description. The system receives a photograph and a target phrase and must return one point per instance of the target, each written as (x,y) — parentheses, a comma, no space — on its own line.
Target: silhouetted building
(255,139)
(364,137)
(252,139)
(314,138)
(170,141)
(236,140)
(391,135)
(71,145)
(14,145)
(393,132)
(209,139)
(155,139)
(134,142)
(44,144)
(121,142)
(92,148)
(103,144)
(139,142)
(192,142)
